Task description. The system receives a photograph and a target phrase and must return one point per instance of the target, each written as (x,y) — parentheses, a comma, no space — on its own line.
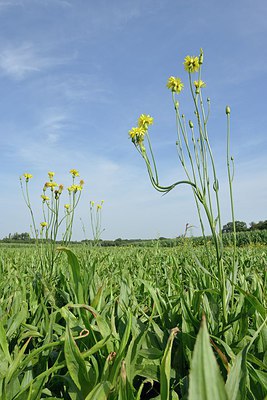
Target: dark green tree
(261,225)
(240,226)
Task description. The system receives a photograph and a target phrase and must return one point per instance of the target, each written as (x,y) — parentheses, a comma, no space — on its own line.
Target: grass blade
(205,380)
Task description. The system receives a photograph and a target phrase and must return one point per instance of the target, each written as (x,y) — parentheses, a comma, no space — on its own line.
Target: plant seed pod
(227,110)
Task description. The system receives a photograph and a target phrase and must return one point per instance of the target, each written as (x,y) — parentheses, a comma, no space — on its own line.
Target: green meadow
(133,323)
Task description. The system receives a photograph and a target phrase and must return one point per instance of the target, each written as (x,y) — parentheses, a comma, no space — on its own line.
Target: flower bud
(201,56)
(191,125)
(227,110)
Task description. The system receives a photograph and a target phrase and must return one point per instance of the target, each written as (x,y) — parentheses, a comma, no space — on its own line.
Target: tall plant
(195,156)
(46,234)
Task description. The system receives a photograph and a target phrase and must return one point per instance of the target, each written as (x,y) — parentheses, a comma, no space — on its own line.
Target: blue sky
(74,77)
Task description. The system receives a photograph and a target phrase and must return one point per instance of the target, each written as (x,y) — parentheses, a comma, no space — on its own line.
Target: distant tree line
(241,226)
(255,233)
(22,237)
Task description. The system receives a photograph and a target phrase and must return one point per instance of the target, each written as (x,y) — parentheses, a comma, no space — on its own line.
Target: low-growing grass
(122,323)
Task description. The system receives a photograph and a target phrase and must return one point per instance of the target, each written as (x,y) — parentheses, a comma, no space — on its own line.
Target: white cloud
(10,3)
(18,62)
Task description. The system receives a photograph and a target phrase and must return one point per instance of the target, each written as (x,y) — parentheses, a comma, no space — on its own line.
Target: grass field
(127,323)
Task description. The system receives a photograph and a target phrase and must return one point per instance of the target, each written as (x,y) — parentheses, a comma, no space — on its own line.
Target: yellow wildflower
(60,188)
(27,176)
(144,121)
(74,172)
(199,84)
(92,203)
(51,185)
(43,224)
(81,182)
(191,64)
(175,84)
(74,188)
(67,206)
(45,198)
(98,207)
(137,135)
(51,175)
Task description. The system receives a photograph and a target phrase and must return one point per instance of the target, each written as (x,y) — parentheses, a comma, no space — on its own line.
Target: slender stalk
(230,182)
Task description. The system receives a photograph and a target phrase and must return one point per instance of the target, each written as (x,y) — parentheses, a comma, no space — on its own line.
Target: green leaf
(14,366)
(253,301)
(165,367)
(4,343)
(236,381)
(75,363)
(17,320)
(205,380)
(100,391)
(75,272)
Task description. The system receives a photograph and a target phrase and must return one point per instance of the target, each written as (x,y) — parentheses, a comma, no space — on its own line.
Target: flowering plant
(196,158)
(46,235)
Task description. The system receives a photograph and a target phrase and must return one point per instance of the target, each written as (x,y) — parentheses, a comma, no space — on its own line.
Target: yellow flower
(98,207)
(144,121)
(43,224)
(191,64)
(27,176)
(74,172)
(50,175)
(52,185)
(175,84)
(45,198)
(92,203)
(199,84)
(74,188)
(81,182)
(60,188)
(137,135)
(67,206)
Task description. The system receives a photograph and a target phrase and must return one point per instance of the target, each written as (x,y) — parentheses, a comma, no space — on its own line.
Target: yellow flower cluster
(175,84)
(144,121)
(45,198)
(191,64)
(43,224)
(98,206)
(137,134)
(51,175)
(74,173)
(27,176)
(74,188)
(199,84)
(51,185)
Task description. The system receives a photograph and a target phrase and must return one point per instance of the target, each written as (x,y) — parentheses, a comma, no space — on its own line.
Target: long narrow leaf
(205,380)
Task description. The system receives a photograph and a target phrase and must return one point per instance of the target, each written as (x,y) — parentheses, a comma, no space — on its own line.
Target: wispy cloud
(75,87)
(14,3)
(10,3)
(52,124)
(18,62)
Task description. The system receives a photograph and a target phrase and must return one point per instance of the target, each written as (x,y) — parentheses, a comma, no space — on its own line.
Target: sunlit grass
(125,321)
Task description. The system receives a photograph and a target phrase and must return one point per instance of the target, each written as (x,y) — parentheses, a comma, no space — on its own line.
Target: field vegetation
(122,323)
